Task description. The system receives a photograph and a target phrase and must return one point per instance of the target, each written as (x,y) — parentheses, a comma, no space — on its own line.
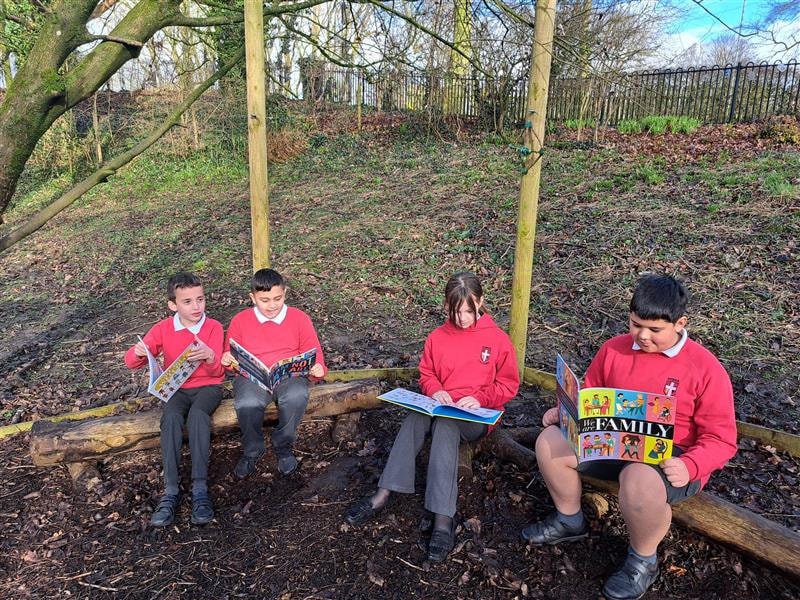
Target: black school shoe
(165,511)
(287,464)
(362,511)
(552,531)
(246,466)
(202,508)
(632,580)
(442,542)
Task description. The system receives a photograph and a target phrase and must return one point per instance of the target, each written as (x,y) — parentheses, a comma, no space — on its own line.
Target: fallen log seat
(71,442)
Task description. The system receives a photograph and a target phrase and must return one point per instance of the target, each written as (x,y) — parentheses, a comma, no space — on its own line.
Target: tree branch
(111,167)
(269,11)
(410,20)
(117,39)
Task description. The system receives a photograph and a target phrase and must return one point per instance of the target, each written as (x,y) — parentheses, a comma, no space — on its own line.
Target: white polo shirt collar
(278,319)
(671,352)
(195,329)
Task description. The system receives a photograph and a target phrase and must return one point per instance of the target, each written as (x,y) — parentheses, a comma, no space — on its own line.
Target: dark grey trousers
(193,406)
(441,487)
(250,401)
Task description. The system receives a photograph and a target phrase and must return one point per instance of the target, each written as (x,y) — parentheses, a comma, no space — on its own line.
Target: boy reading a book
(271,331)
(655,355)
(196,399)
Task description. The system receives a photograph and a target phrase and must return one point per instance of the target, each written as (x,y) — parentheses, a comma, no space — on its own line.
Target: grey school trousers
(250,401)
(441,487)
(194,406)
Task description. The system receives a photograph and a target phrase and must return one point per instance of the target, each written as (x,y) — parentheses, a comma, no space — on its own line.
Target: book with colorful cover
(268,378)
(614,424)
(428,406)
(165,382)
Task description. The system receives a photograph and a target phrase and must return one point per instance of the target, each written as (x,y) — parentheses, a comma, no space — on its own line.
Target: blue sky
(698,26)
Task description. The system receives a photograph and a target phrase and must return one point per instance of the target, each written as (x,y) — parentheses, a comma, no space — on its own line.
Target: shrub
(578,123)
(683,124)
(629,126)
(783,129)
(655,125)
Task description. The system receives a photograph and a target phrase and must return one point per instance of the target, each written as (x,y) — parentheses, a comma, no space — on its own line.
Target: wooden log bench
(79,443)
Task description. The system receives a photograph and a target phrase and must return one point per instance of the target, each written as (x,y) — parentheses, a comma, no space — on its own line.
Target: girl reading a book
(468,362)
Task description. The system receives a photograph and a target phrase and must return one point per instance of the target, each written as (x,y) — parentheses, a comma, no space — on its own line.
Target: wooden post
(257,131)
(536,113)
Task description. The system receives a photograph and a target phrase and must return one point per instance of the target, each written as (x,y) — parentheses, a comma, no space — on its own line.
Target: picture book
(434,408)
(164,383)
(612,424)
(249,366)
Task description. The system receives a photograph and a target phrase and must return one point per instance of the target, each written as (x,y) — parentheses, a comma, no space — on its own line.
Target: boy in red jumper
(657,356)
(196,399)
(271,331)
(470,362)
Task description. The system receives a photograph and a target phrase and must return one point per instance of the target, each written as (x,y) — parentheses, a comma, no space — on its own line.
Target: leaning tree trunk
(41,91)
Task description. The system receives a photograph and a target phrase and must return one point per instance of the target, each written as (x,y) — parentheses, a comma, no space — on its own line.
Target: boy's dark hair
(184,279)
(462,287)
(659,297)
(266,279)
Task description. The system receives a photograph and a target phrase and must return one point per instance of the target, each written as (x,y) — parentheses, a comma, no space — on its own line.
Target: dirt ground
(67,322)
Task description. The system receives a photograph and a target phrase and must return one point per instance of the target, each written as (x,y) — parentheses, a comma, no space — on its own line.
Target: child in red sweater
(470,362)
(196,399)
(272,331)
(656,355)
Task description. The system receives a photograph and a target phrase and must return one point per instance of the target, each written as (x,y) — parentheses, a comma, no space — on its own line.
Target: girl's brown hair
(462,287)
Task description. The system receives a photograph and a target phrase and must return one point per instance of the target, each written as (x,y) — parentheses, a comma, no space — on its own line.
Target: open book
(268,378)
(434,408)
(612,424)
(164,383)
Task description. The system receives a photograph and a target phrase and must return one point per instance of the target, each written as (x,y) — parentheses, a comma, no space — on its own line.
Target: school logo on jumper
(671,386)
(486,352)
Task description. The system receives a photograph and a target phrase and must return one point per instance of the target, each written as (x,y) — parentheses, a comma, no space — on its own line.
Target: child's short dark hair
(462,287)
(266,279)
(659,297)
(184,279)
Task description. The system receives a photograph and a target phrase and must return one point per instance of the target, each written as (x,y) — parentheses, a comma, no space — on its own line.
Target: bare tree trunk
(98,146)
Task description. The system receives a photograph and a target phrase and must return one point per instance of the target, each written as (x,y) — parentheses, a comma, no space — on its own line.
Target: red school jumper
(270,341)
(705,423)
(162,337)
(478,361)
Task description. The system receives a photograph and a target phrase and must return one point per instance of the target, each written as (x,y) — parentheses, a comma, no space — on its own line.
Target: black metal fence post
(735,93)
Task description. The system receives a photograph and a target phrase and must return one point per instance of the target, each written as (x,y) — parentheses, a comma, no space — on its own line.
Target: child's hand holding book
(140,349)
(675,471)
(550,417)
(227,359)
(201,352)
(443,397)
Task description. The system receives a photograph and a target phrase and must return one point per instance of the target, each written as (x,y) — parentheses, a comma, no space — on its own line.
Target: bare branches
(114,38)
(412,21)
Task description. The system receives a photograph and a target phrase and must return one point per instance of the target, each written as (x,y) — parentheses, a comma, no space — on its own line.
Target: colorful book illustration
(268,378)
(164,383)
(434,408)
(612,424)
